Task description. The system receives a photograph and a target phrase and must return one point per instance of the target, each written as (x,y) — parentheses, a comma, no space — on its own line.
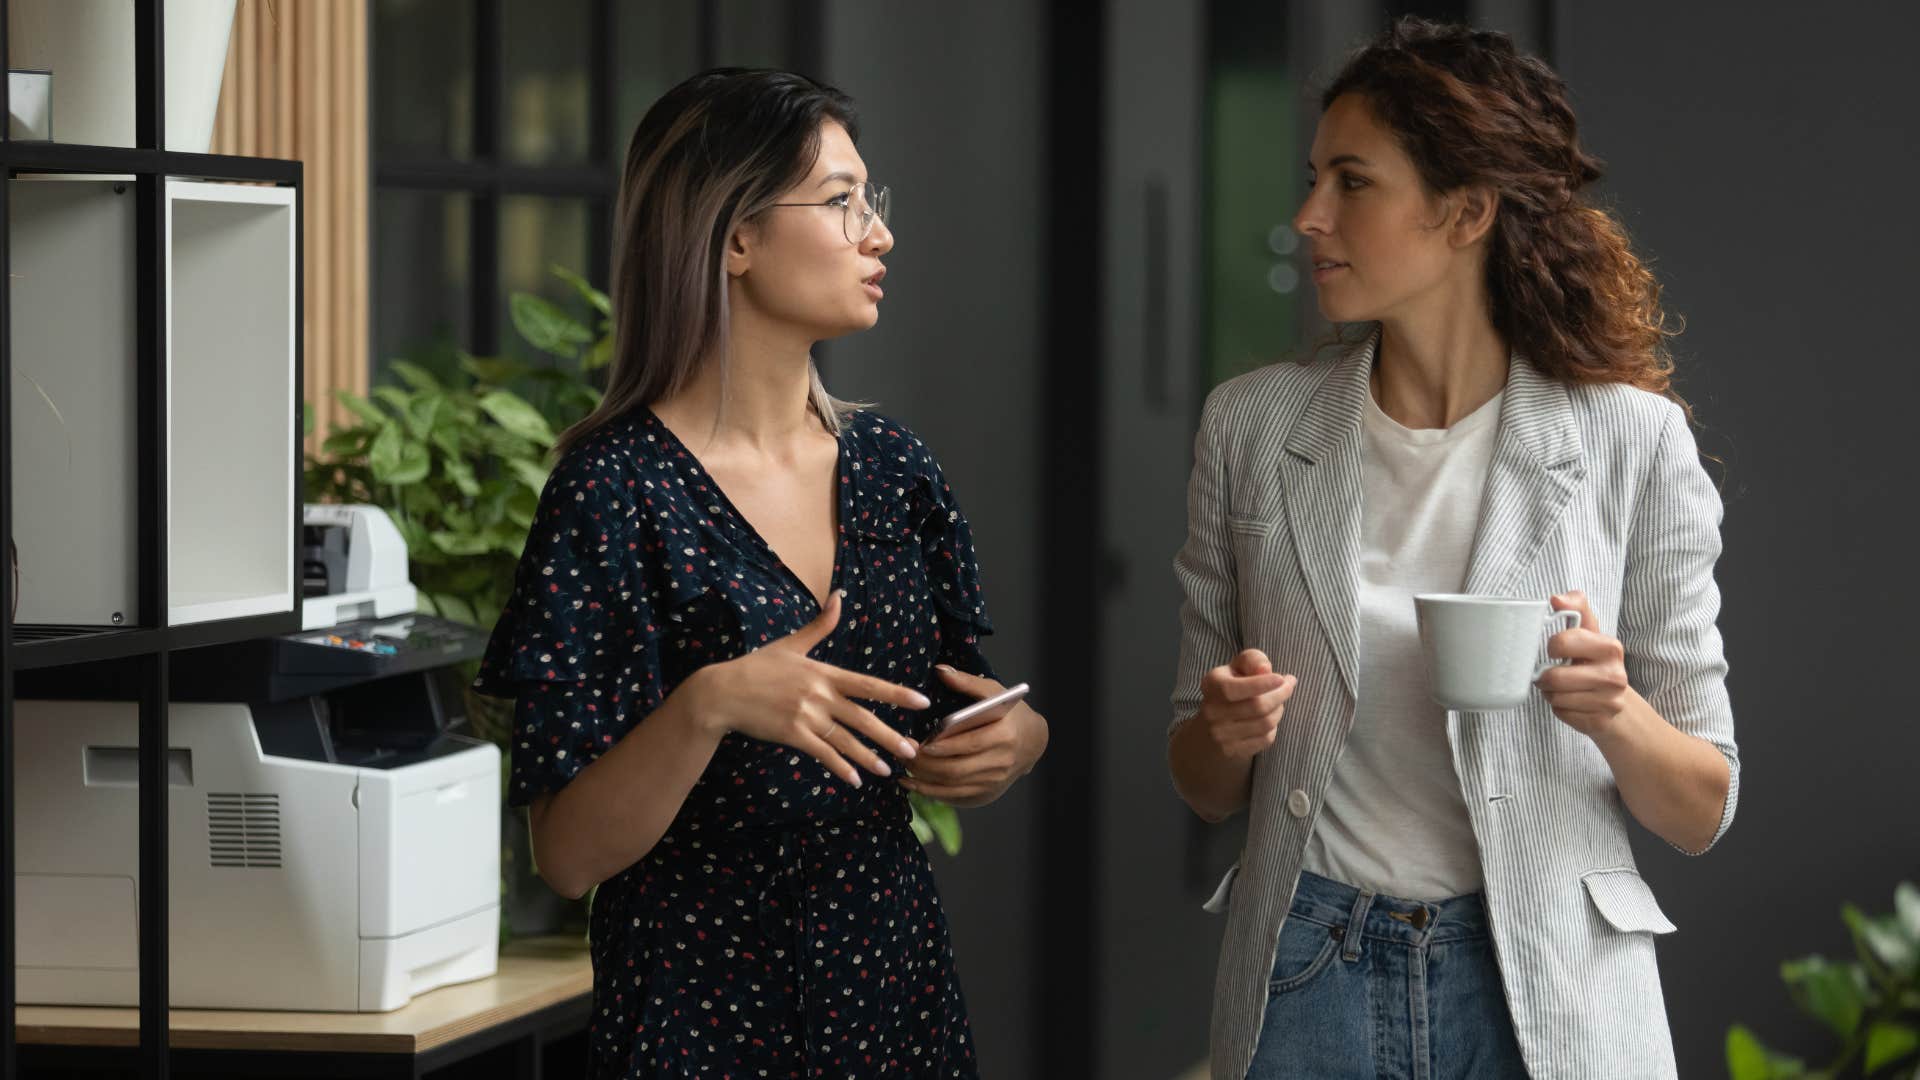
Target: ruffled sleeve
(575,645)
(953,575)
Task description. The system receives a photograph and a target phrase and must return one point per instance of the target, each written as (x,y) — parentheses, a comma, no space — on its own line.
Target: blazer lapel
(1537,465)
(1321,478)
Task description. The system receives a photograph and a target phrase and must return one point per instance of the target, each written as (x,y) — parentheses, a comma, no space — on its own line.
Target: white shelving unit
(230,363)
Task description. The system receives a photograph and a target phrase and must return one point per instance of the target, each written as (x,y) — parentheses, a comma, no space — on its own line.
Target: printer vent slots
(243,830)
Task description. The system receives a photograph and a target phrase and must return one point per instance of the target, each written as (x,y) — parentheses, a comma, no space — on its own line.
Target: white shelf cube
(233,436)
(75,421)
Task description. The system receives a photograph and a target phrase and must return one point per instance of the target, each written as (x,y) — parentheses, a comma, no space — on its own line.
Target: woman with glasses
(743,606)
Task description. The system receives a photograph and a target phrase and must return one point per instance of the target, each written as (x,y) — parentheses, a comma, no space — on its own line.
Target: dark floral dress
(787,924)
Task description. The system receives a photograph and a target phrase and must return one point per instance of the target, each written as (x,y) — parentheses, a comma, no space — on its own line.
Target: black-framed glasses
(860,207)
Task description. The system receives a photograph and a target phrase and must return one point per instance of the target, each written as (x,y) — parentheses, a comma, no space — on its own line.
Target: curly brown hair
(1564,286)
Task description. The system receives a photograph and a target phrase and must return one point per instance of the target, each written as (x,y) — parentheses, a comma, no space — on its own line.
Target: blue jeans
(1374,986)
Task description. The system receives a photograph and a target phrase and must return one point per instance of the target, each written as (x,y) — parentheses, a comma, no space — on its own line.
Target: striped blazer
(1598,488)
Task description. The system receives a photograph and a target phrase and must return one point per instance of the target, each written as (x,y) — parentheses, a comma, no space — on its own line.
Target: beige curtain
(296,87)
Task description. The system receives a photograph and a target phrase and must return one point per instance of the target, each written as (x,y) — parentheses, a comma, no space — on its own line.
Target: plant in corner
(1871,1003)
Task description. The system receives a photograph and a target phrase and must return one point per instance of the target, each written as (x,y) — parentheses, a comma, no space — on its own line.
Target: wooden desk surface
(534,974)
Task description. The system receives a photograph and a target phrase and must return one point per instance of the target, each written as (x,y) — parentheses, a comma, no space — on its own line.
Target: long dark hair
(710,155)
(1565,288)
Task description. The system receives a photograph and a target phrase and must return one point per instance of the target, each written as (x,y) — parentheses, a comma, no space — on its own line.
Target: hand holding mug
(1590,691)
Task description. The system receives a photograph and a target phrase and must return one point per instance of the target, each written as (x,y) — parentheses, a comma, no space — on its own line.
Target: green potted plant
(1871,1004)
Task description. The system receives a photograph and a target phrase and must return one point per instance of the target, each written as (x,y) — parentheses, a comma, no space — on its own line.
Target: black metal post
(1067,995)
(488,127)
(150,131)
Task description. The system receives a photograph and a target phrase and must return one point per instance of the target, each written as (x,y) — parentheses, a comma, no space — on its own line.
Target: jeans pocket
(1306,950)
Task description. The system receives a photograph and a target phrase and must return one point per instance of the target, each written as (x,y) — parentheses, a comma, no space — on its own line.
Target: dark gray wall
(1765,158)
(951,106)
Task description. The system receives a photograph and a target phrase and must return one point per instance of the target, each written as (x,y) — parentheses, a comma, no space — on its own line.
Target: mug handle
(1571,621)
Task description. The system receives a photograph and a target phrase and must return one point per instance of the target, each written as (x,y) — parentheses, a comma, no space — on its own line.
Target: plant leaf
(422,411)
(414,464)
(1831,993)
(599,356)
(458,544)
(586,290)
(512,412)
(395,397)
(461,473)
(1888,1041)
(347,442)
(531,473)
(1747,1059)
(361,408)
(490,370)
(546,327)
(383,456)
(1906,905)
(306,418)
(1884,938)
(414,375)
(942,820)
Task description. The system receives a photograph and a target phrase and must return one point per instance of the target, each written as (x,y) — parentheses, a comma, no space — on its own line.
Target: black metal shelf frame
(150,643)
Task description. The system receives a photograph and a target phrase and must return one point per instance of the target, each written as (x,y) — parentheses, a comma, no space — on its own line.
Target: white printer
(331,845)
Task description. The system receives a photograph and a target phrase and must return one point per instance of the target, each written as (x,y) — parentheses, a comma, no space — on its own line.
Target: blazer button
(1298,804)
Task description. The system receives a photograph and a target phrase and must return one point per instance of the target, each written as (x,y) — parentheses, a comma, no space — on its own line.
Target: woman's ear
(740,247)
(1473,211)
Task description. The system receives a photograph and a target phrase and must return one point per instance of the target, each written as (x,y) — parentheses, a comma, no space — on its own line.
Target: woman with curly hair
(1426,894)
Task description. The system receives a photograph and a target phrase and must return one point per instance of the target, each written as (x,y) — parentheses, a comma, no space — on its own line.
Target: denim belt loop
(1356,922)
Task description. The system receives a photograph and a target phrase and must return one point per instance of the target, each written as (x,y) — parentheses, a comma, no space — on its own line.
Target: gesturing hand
(776,694)
(1241,704)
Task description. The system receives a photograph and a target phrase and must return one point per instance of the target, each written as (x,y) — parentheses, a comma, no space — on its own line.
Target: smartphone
(978,713)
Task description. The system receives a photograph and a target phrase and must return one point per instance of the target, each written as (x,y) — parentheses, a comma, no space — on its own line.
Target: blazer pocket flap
(1217,903)
(1248,526)
(1625,901)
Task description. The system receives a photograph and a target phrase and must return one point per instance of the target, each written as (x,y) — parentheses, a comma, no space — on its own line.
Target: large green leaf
(306,418)
(1835,994)
(396,398)
(1748,1060)
(512,412)
(546,327)
(1888,1042)
(586,290)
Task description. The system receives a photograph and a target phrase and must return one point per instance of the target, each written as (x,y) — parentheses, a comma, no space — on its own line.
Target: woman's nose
(880,240)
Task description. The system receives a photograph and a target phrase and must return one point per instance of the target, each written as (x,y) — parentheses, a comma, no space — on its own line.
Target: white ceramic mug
(1484,652)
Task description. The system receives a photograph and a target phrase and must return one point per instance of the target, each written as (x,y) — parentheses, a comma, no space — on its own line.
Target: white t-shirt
(1393,820)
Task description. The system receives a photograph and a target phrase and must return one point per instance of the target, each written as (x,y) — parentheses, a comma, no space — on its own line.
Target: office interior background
(1091,205)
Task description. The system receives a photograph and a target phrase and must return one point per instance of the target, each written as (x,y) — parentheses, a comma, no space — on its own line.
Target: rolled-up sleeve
(1209,618)
(1670,604)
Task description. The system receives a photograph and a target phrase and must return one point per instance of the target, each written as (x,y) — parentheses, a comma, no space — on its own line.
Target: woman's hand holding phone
(976,766)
